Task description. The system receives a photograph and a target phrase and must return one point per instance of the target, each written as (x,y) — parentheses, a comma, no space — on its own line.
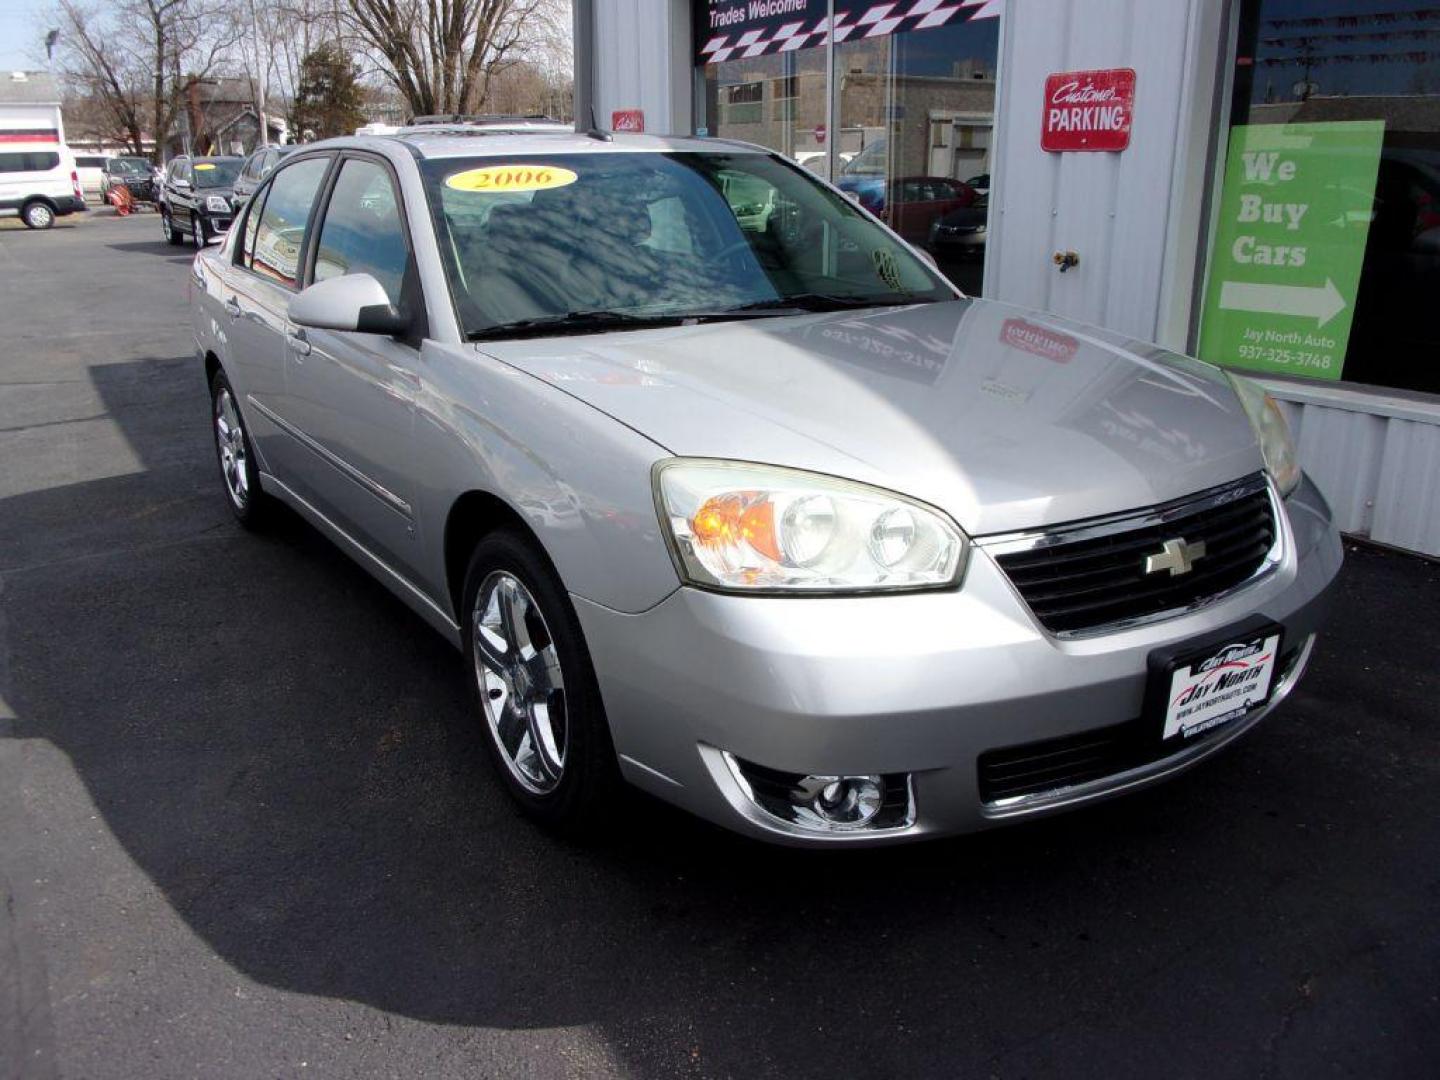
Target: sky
(19,33)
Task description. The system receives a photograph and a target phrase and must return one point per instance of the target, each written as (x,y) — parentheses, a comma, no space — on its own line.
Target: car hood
(1005,418)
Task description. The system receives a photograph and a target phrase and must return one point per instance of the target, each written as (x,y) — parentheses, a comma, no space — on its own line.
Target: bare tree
(442,54)
(105,75)
(141,60)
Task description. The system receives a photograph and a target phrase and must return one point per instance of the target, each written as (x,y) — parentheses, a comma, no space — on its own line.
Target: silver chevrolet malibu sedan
(722,490)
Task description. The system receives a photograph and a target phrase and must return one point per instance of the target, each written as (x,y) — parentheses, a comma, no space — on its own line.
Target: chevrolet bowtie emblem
(1176,556)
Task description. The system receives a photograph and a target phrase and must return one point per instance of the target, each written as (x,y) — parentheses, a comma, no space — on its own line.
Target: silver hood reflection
(1005,418)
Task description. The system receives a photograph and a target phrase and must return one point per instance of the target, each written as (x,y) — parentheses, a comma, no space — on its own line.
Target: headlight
(217,204)
(759,528)
(1272,431)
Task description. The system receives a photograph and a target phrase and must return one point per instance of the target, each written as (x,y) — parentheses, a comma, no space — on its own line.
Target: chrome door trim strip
(384,494)
(397,581)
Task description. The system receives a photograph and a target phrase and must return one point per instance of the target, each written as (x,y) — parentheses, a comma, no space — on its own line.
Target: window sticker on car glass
(494,178)
(202,166)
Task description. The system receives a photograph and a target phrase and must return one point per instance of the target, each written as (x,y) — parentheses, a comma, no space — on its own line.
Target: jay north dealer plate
(1220,682)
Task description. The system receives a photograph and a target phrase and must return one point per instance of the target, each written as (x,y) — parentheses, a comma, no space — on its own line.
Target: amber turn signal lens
(738,517)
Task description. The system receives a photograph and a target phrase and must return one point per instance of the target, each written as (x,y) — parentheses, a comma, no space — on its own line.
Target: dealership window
(1325,262)
(911,97)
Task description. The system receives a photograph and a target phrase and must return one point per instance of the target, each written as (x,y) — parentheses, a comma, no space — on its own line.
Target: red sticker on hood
(1019,334)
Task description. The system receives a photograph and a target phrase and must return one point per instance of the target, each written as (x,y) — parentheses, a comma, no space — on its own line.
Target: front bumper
(919,684)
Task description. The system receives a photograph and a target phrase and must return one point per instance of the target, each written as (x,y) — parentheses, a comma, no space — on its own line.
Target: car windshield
(619,238)
(129,166)
(214,174)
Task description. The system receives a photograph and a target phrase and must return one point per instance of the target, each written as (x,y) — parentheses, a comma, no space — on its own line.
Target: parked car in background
(39,183)
(91,170)
(136,174)
(772,522)
(257,166)
(962,232)
(196,201)
(914,203)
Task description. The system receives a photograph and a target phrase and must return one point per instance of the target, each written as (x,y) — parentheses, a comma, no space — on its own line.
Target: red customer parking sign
(1088,110)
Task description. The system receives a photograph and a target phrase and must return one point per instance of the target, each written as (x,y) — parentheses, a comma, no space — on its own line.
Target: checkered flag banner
(872,21)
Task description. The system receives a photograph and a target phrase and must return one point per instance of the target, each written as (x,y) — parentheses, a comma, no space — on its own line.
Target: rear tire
(37,215)
(547,699)
(235,455)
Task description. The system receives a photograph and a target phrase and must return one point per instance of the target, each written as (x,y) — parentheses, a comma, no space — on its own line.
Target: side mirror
(354,302)
(180,184)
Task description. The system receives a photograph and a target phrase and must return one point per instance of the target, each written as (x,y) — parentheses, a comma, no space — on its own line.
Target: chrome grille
(1088,577)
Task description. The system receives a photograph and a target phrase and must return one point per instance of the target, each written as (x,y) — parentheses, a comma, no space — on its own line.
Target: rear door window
(280,234)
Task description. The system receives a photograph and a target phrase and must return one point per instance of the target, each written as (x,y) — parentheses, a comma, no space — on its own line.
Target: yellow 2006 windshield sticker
(496,178)
(203,165)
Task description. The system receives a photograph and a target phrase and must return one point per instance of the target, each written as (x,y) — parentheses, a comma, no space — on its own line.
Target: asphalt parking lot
(246,829)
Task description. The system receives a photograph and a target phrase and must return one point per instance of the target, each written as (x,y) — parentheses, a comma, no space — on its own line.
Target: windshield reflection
(532,243)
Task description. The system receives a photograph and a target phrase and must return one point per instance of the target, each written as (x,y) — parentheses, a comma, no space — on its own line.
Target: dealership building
(1256,182)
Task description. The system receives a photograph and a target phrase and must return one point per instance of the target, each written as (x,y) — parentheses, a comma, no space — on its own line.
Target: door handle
(232,308)
(298,342)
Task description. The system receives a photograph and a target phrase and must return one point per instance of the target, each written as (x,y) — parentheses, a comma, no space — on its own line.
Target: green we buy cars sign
(1293,218)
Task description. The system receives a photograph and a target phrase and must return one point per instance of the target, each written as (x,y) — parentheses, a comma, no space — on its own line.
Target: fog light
(833,804)
(839,800)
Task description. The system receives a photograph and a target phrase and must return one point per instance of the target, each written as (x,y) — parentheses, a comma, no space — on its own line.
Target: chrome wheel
(230,439)
(165,226)
(197,232)
(522,689)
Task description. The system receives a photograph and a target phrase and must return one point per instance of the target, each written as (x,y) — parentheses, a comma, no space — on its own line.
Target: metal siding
(1407,499)
(638,64)
(1341,451)
(1114,210)
(1381,474)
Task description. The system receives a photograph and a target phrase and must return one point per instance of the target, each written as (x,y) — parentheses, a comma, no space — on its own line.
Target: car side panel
(240,318)
(579,479)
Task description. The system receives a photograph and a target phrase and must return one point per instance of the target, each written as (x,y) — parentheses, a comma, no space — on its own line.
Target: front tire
(197,232)
(236,456)
(167,226)
(38,215)
(534,688)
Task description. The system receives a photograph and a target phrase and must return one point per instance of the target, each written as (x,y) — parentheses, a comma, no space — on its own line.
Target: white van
(91,170)
(40,183)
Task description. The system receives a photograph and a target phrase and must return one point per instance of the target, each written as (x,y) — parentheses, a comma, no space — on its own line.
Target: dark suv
(133,173)
(258,165)
(196,198)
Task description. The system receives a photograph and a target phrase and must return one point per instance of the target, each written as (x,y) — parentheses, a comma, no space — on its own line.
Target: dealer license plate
(1220,685)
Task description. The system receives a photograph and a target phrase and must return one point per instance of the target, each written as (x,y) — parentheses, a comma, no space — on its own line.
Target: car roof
(459,141)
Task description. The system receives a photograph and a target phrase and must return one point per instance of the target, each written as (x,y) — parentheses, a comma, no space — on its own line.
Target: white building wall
(1133,217)
(642,61)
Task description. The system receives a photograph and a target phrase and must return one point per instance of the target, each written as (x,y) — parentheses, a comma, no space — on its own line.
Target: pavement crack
(53,423)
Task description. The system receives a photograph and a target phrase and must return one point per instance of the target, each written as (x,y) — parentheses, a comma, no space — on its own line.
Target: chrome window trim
(1116,524)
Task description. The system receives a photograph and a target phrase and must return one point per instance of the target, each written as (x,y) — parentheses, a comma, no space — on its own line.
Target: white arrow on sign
(1320,302)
